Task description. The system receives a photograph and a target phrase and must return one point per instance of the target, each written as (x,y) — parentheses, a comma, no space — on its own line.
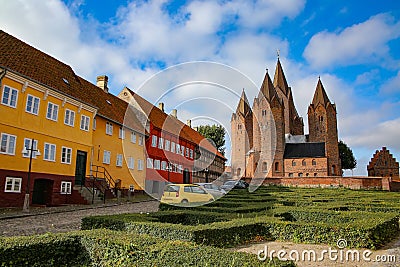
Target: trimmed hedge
(110,248)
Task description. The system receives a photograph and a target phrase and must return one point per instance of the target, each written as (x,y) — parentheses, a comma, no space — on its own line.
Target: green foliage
(346,156)
(215,133)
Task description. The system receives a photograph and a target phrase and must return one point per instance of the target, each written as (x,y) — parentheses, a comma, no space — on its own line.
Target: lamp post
(27,191)
(206,171)
(168,169)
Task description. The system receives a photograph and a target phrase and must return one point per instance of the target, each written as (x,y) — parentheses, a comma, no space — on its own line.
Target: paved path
(66,220)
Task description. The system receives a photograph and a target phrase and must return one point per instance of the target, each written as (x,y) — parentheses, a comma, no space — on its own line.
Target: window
(131,163)
(109,128)
(293,163)
(66,187)
(119,160)
(149,163)
(314,162)
(140,140)
(333,169)
(161,143)
(69,118)
(49,152)
(178,147)
(9,97)
(191,153)
(52,111)
(32,104)
(85,123)
(291,175)
(182,150)
(187,152)
(276,166)
(163,165)
(140,164)
(173,147)
(157,164)
(180,168)
(300,174)
(154,141)
(121,133)
(94,123)
(28,146)
(304,163)
(265,167)
(133,137)
(167,145)
(13,185)
(106,157)
(8,144)
(315,174)
(131,188)
(66,154)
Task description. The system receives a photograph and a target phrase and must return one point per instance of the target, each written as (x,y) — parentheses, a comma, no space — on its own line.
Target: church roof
(279,78)
(320,95)
(267,88)
(304,150)
(243,106)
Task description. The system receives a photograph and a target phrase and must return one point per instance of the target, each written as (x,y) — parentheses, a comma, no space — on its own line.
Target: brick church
(268,138)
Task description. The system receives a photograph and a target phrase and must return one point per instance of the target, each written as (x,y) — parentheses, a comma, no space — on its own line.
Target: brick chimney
(174,113)
(102,82)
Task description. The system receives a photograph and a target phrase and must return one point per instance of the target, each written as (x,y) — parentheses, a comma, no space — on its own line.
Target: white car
(213,189)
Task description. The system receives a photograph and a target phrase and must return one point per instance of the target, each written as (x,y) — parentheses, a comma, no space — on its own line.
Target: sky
(354,46)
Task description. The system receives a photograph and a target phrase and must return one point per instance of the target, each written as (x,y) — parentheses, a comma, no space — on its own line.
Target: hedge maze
(199,236)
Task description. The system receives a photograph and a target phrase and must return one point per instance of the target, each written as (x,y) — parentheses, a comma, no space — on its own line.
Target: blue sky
(352,45)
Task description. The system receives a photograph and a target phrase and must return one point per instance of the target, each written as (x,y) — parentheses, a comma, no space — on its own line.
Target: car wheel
(184,201)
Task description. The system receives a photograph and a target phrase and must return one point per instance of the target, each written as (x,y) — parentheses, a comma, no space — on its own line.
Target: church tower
(322,122)
(268,131)
(293,122)
(242,137)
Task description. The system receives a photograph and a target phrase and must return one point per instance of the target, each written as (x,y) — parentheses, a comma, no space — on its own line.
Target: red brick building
(268,139)
(383,164)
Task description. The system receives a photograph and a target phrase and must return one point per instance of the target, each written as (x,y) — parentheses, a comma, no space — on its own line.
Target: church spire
(320,95)
(243,106)
(279,78)
(267,88)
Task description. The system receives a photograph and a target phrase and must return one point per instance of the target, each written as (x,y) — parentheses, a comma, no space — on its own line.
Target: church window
(238,171)
(264,113)
(315,174)
(333,169)
(303,163)
(293,163)
(276,166)
(314,162)
(300,174)
(291,174)
(265,167)
(307,174)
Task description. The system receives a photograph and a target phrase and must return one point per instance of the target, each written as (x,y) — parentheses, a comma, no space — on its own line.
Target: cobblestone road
(66,221)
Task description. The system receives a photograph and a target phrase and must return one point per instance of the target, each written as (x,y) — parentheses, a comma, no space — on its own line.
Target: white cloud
(367,77)
(360,43)
(392,86)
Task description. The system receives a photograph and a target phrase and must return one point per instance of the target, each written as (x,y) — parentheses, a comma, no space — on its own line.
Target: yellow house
(65,119)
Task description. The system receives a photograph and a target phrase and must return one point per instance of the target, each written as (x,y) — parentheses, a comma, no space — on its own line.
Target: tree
(346,157)
(216,133)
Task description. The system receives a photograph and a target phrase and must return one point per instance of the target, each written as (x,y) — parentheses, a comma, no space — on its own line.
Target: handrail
(99,179)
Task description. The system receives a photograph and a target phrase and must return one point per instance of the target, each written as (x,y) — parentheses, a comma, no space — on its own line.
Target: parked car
(213,189)
(237,184)
(185,193)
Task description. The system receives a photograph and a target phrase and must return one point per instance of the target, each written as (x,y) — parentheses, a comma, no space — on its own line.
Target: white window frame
(156,164)
(191,153)
(149,163)
(167,144)
(131,163)
(109,128)
(133,137)
(67,151)
(10,102)
(178,148)
(121,133)
(9,139)
(161,143)
(35,104)
(94,124)
(163,165)
(119,160)
(49,152)
(52,111)
(154,141)
(66,188)
(27,145)
(182,151)
(13,181)
(140,164)
(69,117)
(85,123)
(140,140)
(173,147)
(106,157)
(187,152)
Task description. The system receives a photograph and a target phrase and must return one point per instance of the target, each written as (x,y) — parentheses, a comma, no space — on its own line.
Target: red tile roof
(44,69)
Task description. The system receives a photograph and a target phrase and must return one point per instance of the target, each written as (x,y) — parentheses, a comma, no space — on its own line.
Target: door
(80,169)
(186,176)
(42,191)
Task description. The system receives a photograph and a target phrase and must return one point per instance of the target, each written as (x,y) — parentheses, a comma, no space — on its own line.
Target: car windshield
(198,190)
(172,188)
(230,183)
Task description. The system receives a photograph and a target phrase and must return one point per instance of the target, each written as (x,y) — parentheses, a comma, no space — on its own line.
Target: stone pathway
(64,219)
